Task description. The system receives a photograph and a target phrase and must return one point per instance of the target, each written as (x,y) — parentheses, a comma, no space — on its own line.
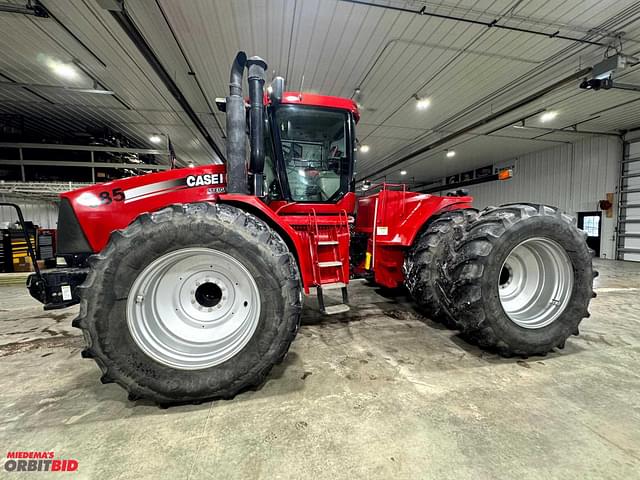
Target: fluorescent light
(364,148)
(451,153)
(155,139)
(548,116)
(65,70)
(422,103)
(403,172)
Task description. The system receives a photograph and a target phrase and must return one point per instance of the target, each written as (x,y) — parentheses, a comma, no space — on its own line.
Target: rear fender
(400,215)
(392,219)
(430,218)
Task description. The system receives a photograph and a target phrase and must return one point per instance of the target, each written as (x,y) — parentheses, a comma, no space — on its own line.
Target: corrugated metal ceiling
(330,46)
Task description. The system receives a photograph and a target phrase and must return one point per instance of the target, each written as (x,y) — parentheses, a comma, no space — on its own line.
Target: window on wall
(592,225)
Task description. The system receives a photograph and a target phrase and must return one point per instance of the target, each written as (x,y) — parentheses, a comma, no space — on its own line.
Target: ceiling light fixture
(364,148)
(403,172)
(451,153)
(548,116)
(67,71)
(155,138)
(422,103)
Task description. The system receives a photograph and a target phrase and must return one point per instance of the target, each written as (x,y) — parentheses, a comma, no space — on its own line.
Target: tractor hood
(89,215)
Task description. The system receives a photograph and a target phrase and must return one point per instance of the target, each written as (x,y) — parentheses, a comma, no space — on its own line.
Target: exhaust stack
(237,174)
(257,67)
(236,127)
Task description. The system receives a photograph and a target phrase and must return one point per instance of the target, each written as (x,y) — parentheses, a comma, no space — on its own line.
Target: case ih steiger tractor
(190,281)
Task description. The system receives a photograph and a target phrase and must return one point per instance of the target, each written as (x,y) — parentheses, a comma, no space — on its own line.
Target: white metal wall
(573,177)
(43,214)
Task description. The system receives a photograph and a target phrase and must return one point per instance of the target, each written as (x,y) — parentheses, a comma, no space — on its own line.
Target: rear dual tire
(425,267)
(517,279)
(521,279)
(235,281)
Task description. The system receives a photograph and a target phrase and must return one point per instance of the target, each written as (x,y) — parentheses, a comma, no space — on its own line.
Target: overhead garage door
(629,205)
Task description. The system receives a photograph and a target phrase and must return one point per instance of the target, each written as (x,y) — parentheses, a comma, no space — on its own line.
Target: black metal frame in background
(27,239)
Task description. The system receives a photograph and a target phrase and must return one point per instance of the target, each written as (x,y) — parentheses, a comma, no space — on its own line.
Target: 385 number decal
(106,197)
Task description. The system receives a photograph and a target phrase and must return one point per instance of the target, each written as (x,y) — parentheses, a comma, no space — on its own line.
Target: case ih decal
(206,179)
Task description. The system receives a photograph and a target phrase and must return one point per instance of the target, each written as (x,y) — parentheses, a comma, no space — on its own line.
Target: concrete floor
(377,393)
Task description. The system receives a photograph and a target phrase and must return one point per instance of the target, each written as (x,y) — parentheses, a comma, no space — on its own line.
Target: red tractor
(191,281)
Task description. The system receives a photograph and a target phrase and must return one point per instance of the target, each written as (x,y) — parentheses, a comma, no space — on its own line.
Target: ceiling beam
(119,13)
(84,148)
(29,8)
(56,163)
(37,86)
(492,24)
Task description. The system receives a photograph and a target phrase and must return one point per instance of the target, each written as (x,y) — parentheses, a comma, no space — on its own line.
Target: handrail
(384,186)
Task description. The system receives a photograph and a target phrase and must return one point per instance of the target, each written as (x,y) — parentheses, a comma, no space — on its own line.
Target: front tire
(521,279)
(190,303)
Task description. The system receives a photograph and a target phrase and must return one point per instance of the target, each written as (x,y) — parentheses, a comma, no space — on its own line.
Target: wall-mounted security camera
(603,72)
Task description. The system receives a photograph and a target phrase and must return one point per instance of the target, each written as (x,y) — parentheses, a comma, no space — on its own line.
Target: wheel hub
(535,283)
(208,294)
(193,308)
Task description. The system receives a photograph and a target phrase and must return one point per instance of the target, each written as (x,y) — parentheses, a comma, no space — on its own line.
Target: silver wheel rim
(193,308)
(535,284)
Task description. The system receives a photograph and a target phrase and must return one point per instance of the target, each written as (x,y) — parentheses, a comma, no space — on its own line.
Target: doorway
(590,223)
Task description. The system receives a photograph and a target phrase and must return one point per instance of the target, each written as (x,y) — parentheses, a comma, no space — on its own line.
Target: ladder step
(332,286)
(329,264)
(328,242)
(333,309)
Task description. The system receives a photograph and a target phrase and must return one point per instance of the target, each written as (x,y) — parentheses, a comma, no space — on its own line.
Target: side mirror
(277,89)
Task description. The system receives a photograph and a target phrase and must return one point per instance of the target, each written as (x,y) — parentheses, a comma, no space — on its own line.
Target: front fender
(299,249)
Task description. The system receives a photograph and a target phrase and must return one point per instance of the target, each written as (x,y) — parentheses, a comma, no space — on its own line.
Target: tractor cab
(309,151)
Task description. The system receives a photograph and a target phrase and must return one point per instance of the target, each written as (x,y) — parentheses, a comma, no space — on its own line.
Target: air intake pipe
(257,67)
(236,128)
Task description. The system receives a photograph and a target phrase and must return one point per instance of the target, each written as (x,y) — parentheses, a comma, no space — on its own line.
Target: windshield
(315,153)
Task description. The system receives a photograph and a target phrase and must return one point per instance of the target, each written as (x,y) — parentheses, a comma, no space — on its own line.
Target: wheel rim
(535,283)
(193,308)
